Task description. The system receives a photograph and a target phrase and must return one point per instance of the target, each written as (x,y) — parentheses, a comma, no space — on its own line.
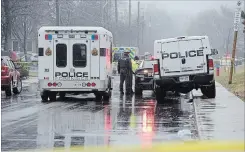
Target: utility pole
(142,30)
(57,13)
(116,14)
(138,21)
(237,20)
(130,34)
(103,12)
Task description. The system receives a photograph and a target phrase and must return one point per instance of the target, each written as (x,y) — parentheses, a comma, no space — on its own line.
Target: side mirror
(214,52)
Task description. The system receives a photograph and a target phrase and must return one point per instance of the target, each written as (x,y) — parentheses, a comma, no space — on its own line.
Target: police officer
(126,74)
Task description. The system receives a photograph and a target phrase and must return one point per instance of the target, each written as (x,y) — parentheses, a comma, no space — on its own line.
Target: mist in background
(157,20)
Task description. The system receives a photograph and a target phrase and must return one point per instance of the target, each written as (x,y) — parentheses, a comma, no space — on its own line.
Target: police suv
(183,64)
(74,60)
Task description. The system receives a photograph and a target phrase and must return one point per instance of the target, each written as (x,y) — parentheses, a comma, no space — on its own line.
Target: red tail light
(93,84)
(156,70)
(54,84)
(210,63)
(50,84)
(88,84)
(4,70)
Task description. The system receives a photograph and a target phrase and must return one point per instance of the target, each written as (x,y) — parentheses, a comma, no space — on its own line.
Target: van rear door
(61,59)
(80,64)
(71,59)
(170,61)
(192,56)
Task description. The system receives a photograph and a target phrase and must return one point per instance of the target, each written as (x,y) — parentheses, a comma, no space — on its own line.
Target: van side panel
(45,62)
(95,59)
(104,44)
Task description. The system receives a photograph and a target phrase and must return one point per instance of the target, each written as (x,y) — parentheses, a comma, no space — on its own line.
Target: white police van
(183,64)
(74,60)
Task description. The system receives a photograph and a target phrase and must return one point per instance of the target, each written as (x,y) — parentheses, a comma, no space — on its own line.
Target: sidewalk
(221,118)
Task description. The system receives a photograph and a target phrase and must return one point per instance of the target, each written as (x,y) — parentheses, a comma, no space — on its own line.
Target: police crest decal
(48,52)
(94,52)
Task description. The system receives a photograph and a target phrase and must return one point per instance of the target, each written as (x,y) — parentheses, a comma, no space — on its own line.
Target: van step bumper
(170,83)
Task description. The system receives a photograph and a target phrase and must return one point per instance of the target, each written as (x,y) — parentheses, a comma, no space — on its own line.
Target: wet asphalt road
(27,123)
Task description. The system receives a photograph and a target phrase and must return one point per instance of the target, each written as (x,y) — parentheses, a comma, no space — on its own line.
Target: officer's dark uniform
(125,70)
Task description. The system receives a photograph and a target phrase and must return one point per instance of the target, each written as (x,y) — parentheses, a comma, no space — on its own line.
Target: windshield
(147,64)
(116,57)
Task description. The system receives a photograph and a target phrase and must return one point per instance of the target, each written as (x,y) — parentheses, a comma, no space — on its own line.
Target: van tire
(98,96)
(107,96)
(52,96)
(44,96)
(209,91)
(62,95)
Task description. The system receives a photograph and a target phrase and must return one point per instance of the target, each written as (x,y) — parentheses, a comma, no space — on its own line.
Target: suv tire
(160,93)
(209,91)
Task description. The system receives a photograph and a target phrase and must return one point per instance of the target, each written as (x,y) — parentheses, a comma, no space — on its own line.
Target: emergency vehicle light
(94,37)
(48,37)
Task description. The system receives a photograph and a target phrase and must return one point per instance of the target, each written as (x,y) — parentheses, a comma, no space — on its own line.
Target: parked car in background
(144,76)
(10,77)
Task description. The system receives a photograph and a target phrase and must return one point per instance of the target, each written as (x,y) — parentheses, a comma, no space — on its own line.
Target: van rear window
(61,55)
(79,55)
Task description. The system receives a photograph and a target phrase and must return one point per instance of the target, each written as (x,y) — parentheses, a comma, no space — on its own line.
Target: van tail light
(54,84)
(93,84)
(50,84)
(210,64)
(4,70)
(156,69)
(88,84)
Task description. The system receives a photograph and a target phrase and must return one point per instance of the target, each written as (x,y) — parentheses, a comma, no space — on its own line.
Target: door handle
(183,60)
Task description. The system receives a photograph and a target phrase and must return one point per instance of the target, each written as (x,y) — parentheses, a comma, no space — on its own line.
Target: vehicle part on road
(209,91)
(190,96)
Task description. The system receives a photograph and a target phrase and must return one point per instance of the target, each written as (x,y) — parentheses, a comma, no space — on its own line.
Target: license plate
(142,79)
(184,78)
(149,74)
